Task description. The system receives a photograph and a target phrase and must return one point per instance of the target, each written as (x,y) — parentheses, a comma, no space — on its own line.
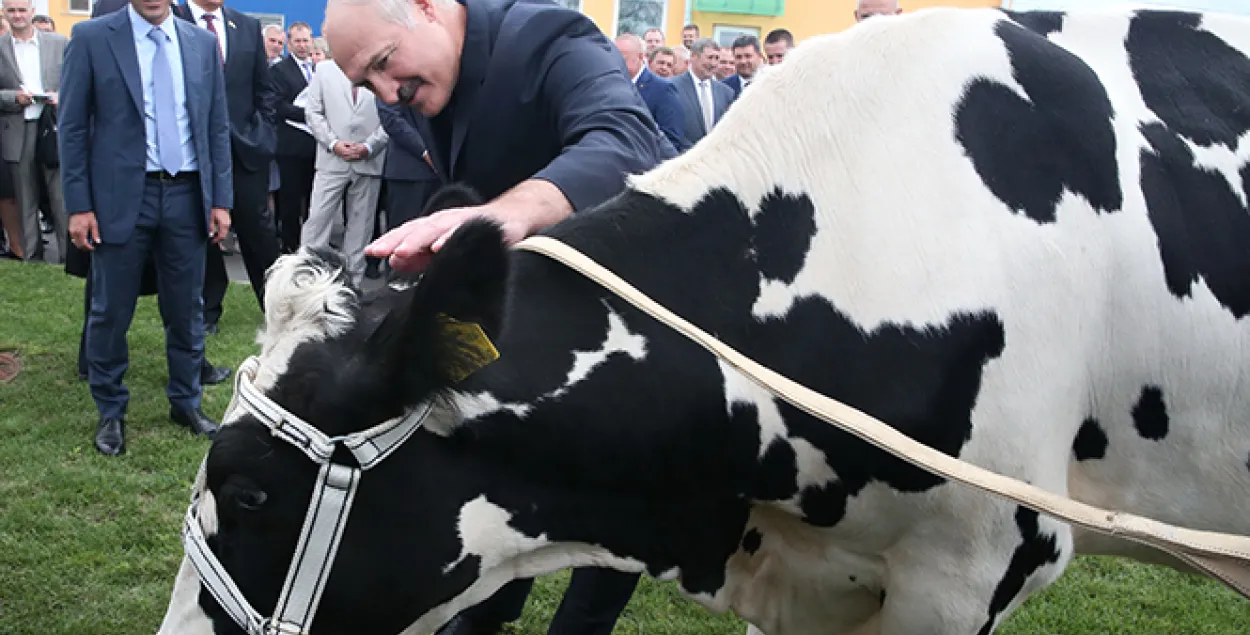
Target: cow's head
(423,539)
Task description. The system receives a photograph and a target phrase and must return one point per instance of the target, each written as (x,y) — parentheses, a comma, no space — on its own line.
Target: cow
(1021,239)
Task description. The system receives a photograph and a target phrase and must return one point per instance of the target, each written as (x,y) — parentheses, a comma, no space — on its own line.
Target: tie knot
(157,36)
(208,17)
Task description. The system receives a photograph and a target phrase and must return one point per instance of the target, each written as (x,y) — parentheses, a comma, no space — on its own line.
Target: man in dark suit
(409,171)
(658,93)
(496,131)
(296,148)
(253,138)
(704,99)
(145,167)
(747,58)
(531,105)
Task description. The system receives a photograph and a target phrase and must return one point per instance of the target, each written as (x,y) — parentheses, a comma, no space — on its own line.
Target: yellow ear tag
(469,348)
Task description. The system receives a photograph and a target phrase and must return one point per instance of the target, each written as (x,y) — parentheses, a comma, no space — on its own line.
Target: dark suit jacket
(734,82)
(542,93)
(105,7)
(253,134)
(288,81)
(662,99)
(103,142)
(408,130)
(722,97)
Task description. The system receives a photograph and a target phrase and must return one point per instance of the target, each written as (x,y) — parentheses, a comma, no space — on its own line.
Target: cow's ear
(450,196)
(444,329)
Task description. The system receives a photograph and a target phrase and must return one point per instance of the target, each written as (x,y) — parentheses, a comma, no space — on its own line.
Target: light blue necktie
(168,141)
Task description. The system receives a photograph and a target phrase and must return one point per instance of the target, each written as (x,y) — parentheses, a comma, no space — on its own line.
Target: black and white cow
(1022,239)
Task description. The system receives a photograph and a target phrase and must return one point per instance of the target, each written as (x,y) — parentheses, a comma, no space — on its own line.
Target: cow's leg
(959,578)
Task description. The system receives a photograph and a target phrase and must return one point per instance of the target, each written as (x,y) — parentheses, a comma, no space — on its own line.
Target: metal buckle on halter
(271,626)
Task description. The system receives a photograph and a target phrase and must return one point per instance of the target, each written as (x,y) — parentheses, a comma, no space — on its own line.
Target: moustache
(408,91)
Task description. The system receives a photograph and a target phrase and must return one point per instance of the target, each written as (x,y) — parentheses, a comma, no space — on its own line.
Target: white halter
(332,497)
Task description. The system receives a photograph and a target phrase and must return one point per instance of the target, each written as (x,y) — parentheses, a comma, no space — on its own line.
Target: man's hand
(52,98)
(362,152)
(344,150)
(24,98)
(219,225)
(531,206)
(84,231)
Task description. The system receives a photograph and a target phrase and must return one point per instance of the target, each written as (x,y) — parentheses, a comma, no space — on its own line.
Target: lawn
(89,544)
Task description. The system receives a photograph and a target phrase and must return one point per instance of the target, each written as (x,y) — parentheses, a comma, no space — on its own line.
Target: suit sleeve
(402,133)
(603,124)
(265,96)
(219,136)
(73,123)
(670,117)
(284,99)
(377,140)
(315,115)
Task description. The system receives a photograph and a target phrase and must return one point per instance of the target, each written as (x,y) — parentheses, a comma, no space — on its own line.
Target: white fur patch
(618,340)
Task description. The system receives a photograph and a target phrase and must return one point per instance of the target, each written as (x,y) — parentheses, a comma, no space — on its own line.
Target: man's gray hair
(271,27)
(702,44)
(397,11)
(681,52)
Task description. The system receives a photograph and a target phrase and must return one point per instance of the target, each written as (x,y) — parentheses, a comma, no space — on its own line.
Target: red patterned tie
(208,19)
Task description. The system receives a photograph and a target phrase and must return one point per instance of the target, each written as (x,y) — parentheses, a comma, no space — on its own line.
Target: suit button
(355,130)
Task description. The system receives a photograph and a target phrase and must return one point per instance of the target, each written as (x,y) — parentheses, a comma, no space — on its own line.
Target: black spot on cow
(1204,102)
(935,377)
(1248,461)
(1091,441)
(1029,151)
(1150,415)
(1040,22)
(1202,226)
(752,541)
(784,228)
(1034,552)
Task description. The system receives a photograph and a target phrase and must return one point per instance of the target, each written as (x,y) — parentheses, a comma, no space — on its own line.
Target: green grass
(89,544)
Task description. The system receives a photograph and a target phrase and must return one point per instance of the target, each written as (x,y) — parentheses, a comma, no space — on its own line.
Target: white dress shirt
(219,23)
(27,55)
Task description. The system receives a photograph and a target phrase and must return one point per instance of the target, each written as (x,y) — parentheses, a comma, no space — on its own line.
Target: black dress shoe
(211,375)
(110,436)
(460,625)
(196,420)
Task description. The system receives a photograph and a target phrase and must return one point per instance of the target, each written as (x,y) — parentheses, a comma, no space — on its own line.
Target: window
(575,5)
(725,34)
(80,6)
(749,7)
(636,16)
(266,19)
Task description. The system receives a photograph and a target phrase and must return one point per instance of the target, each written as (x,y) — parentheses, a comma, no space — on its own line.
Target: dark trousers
(406,199)
(591,605)
(295,177)
(171,227)
(258,241)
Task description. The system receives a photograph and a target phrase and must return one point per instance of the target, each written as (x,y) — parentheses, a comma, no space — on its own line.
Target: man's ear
(442,330)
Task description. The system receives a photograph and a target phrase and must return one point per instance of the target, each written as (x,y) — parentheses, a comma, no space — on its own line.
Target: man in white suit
(351,151)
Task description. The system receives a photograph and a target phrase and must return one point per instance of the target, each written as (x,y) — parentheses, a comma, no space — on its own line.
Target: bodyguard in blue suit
(658,93)
(409,170)
(145,167)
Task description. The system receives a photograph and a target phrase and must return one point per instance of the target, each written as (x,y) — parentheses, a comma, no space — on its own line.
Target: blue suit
(409,179)
(108,167)
(734,82)
(664,101)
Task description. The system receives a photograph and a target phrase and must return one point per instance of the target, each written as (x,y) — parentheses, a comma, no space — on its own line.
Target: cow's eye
(239,492)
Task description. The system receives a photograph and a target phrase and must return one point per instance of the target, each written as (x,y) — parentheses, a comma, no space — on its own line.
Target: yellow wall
(58,10)
(804,18)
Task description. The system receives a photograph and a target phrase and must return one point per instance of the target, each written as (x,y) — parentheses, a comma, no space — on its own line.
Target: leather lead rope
(1225,557)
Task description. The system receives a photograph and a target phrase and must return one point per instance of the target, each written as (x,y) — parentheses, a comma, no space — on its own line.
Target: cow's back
(1078,180)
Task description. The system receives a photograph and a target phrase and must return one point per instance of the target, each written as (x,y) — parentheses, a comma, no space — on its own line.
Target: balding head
(865,9)
(631,48)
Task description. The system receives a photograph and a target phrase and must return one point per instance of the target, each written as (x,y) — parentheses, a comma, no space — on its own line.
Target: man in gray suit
(704,99)
(351,150)
(30,76)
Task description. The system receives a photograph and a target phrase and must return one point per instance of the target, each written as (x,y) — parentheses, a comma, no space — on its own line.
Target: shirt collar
(33,41)
(198,14)
(641,69)
(141,26)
